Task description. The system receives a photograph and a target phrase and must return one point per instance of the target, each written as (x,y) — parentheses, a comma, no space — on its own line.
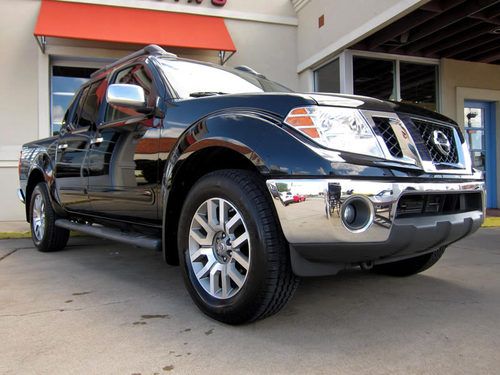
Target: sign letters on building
(219,3)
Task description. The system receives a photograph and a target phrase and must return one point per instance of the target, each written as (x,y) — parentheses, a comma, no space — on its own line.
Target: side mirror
(126,95)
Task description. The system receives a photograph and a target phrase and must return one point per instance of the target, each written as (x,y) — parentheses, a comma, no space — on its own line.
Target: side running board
(112,234)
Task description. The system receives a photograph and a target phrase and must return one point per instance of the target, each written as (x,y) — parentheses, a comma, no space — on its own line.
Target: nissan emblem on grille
(441,142)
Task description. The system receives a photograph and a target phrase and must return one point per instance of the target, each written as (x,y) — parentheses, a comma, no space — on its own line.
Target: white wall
(275,11)
(270,49)
(18,75)
(263,31)
(460,81)
(18,95)
(455,74)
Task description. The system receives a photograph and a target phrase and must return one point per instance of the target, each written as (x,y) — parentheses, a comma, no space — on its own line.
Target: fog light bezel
(363,209)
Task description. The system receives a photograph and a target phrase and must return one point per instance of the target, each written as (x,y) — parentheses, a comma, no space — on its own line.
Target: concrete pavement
(104,308)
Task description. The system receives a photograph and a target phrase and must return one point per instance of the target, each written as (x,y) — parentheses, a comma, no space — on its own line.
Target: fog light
(357,214)
(349,214)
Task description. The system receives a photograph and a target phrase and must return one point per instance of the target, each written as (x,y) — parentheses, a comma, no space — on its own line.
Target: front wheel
(234,258)
(46,236)
(412,266)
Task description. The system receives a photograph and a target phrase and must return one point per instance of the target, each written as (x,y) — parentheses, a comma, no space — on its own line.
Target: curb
(491,222)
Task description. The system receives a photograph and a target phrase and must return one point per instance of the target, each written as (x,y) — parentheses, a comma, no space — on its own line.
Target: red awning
(130,25)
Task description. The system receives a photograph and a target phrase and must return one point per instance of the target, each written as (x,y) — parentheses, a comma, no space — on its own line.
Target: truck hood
(372,104)
(188,110)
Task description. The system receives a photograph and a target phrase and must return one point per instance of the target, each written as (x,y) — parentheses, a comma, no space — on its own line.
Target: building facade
(49,47)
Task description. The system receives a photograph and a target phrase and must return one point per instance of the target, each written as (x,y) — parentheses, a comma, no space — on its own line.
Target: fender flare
(43,163)
(242,132)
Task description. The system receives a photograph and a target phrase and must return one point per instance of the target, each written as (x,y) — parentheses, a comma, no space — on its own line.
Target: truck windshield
(191,79)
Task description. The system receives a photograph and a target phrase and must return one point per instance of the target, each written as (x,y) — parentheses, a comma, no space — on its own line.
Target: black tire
(270,282)
(412,266)
(53,238)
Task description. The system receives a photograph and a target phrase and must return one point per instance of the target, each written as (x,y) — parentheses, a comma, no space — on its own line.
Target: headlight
(342,129)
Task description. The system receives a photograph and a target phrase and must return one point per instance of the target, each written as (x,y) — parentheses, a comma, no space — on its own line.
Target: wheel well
(191,170)
(35,177)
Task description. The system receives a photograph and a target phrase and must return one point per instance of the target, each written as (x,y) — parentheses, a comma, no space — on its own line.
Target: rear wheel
(412,266)
(46,236)
(234,258)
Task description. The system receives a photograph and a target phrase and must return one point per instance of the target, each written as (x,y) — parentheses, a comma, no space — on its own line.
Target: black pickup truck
(246,184)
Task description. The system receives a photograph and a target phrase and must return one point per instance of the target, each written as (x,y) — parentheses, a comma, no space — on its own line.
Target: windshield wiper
(199,94)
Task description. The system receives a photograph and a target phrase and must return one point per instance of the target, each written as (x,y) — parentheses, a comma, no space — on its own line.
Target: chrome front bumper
(20,195)
(317,219)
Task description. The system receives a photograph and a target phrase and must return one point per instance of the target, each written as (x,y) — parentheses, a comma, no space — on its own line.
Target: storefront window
(419,84)
(65,82)
(327,78)
(375,78)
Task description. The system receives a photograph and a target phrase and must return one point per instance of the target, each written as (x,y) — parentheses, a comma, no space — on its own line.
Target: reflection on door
(480,134)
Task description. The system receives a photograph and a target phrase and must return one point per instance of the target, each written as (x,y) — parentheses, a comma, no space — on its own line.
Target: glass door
(479,121)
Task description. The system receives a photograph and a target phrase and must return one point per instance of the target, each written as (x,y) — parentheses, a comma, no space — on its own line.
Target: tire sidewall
(38,190)
(243,302)
(54,238)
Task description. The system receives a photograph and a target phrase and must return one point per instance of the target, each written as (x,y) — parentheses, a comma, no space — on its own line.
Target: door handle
(96,141)
(62,146)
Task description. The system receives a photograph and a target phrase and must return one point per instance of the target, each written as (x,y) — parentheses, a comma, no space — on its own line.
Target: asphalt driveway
(104,308)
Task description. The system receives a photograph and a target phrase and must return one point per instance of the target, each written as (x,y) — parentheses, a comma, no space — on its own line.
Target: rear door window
(90,102)
(69,118)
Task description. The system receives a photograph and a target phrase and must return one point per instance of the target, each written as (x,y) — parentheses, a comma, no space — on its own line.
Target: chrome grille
(426,129)
(384,129)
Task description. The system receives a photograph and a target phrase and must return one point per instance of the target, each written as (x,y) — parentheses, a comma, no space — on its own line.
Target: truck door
(123,160)
(71,177)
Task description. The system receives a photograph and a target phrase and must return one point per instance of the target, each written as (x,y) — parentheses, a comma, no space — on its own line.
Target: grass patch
(11,235)
(489,222)
(14,235)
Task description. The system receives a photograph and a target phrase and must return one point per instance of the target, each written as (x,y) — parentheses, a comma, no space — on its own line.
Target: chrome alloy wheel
(219,248)
(38,217)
